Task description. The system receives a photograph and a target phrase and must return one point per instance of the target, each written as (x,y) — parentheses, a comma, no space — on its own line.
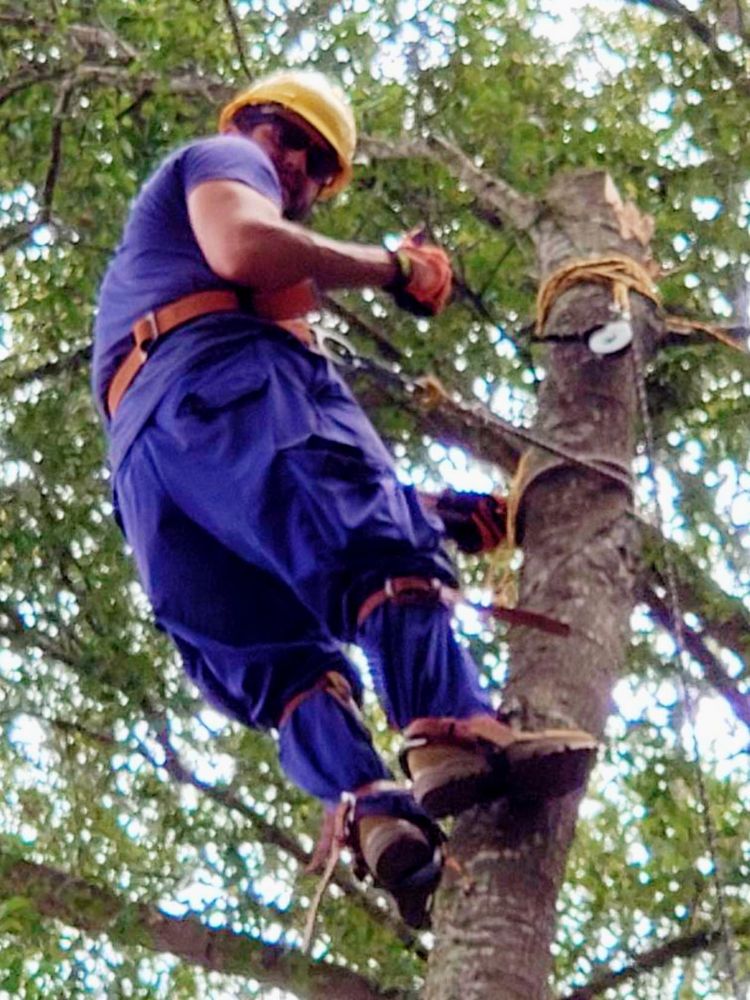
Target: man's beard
(296,207)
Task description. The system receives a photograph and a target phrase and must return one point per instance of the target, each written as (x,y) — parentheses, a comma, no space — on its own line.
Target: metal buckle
(145,341)
(334,346)
(429,594)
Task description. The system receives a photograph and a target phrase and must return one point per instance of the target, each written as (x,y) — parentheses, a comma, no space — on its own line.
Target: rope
(686,327)
(342,819)
(726,934)
(625,275)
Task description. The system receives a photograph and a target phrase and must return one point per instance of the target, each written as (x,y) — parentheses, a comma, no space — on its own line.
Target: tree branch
(681,947)
(704,33)
(60,896)
(237,36)
(493,195)
(14,20)
(23,81)
(724,618)
(68,363)
(18,234)
(55,160)
(713,670)
(470,426)
(213,91)
(383,343)
(673,8)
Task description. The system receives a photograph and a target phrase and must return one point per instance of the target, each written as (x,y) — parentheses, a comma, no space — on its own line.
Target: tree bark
(495,912)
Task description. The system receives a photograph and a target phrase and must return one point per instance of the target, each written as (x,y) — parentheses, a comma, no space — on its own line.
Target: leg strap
(409,590)
(332,683)
(392,839)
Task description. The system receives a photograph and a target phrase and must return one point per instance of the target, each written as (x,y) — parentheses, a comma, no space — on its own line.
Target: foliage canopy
(112,771)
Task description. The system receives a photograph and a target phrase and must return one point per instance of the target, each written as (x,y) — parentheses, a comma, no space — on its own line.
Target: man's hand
(424,281)
(476,522)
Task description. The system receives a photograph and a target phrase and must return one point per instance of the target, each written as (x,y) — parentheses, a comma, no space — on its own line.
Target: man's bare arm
(245,240)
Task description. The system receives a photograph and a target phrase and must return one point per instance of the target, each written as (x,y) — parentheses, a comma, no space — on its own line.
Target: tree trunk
(495,913)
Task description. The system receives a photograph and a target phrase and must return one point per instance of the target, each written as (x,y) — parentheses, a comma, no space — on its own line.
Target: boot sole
(530,773)
(549,775)
(396,854)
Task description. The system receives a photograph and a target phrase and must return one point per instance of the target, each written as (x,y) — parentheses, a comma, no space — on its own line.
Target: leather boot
(457,763)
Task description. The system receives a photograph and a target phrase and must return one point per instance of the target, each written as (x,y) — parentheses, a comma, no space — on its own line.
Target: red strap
(291,302)
(532,619)
(332,683)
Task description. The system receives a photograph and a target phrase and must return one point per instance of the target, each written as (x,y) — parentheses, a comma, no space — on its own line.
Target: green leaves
(222,836)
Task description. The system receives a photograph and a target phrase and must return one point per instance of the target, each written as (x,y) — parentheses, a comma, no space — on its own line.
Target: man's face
(304,161)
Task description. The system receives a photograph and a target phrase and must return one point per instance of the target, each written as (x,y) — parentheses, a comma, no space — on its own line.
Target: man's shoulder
(220,147)
(228,157)
(217,149)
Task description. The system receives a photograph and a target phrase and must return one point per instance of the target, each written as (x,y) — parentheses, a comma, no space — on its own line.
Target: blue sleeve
(230,158)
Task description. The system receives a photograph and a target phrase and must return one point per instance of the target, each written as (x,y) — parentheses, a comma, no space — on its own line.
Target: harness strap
(332,683)
(158,322)
(420,590)
(339,831)
(408,590)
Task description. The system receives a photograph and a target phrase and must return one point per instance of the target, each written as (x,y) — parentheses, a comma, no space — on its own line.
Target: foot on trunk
(457,763)
(394,841)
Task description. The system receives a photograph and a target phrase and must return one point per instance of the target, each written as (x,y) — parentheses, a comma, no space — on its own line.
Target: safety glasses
(322,162)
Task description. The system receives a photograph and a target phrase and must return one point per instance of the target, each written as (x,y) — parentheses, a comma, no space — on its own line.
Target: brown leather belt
(156,323)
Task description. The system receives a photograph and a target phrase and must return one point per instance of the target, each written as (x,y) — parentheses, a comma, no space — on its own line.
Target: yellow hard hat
(313,97)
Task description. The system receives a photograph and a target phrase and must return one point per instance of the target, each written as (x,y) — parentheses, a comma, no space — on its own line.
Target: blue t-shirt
(159,260)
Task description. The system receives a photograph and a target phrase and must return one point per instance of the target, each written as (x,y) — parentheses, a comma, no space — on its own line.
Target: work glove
(424,281)
(476,522)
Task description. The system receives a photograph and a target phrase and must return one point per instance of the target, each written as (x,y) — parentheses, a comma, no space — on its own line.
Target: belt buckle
(152,334)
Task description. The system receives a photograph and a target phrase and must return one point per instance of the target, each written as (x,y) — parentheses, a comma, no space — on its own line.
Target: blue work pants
(262,509)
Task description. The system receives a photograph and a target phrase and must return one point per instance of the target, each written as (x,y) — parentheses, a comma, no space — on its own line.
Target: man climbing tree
(264,513)
(150,847)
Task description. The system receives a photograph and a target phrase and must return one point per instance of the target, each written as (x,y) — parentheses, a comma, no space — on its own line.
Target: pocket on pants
(345,497)
(224,390)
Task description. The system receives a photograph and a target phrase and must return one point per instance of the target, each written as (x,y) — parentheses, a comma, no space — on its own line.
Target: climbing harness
(332,683)
(157,323)
(285,307)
